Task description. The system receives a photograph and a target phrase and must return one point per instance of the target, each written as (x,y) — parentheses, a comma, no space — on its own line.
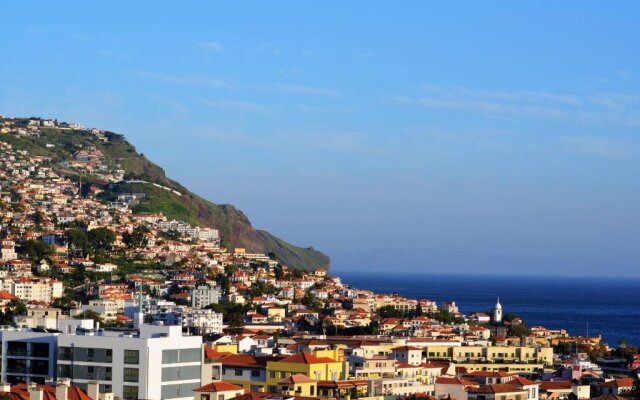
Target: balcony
(25,354)
(23,370)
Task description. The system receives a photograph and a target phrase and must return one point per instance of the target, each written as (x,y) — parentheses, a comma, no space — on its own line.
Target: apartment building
(153,362)
(33,289)
(202,296)
(28,355)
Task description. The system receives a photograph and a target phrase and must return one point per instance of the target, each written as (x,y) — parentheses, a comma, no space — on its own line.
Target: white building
(33,289)
(202,296)
(108,309)
(204,321)
(8,251)
(27,355)
(105,267)
(156,362)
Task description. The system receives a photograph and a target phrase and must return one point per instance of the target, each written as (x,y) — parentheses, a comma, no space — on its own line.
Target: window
(132,357)
(108,355)
(190,355)
(237,372)
(170,356)
(130,374)
(272,374)
(186,372)
(64,371)
(255,373)
(106,388)
(65,353)
(169,391)
(130,392)
(90,355)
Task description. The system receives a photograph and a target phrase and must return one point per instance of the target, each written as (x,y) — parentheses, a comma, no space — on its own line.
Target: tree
(223,281)
(419,312)
(77,239)
(278,272)
(174,289)
(36,250)
(445,317)
(136,239)
(520,330)
(64,303)
(389,312)
(13,309)
(38,219)
(311,302)
(101,239)
(88,314)
(230,269)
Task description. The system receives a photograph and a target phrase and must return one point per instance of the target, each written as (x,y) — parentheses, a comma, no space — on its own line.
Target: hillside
(235,228)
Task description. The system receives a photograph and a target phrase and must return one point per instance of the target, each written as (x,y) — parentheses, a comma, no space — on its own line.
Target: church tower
(497,312)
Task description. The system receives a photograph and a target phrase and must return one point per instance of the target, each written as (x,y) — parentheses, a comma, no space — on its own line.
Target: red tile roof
(496,388)
(406,348)
(297,378)
(6,295)
(74,393)
(617,383)
(218,387)
(555,385)
(455,381)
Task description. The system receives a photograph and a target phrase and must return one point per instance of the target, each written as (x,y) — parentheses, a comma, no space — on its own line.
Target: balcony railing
(25,353)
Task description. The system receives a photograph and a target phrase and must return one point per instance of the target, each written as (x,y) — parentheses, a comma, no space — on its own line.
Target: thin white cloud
(303,90)
(207,81)
(342,142)
(211,46)
(237,105)
(613,108)
(195,80)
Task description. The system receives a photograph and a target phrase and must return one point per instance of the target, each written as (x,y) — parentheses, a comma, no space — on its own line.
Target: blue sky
(466,136)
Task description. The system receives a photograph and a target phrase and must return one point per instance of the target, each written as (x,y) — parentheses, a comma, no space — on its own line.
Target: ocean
(582,305)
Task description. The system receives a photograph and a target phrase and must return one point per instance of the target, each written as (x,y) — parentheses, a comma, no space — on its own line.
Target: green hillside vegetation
(235,228)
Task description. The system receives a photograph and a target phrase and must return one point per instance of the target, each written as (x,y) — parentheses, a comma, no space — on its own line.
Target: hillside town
(98,301)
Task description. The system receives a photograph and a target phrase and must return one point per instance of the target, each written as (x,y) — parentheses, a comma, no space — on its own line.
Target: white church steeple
(497,312)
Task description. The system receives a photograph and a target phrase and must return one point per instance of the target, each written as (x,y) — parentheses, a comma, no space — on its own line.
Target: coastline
(583,305)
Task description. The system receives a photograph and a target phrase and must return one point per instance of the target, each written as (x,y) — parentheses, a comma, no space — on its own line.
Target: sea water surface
(582,305)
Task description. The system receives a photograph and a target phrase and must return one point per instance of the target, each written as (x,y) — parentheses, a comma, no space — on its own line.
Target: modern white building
(153,362)
(28,355)
(202,296)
